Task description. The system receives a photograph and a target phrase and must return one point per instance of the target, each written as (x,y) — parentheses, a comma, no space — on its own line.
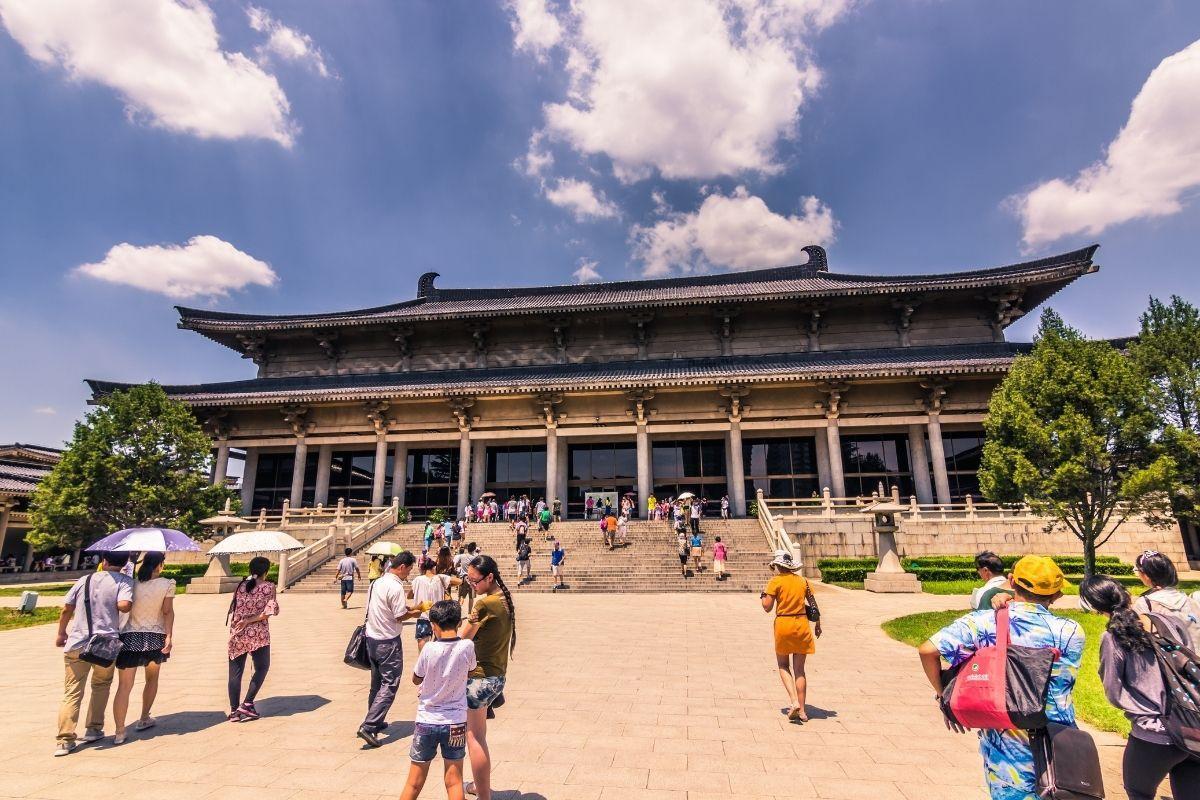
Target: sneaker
(91,736)
(370,737)
(248,711)
(64,748)
(344,604)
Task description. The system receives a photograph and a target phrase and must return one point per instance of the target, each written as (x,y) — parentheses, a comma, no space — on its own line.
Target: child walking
(441,672)
(719,553)
(557,556)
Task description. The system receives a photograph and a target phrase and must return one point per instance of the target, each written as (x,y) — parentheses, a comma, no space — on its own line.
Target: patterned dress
(250,604)
(1007,759)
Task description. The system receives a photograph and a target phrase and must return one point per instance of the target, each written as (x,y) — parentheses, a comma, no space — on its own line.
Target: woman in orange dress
(789,595)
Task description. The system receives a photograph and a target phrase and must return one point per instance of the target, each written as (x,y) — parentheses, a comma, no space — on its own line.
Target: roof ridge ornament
(425,288)
(817,260)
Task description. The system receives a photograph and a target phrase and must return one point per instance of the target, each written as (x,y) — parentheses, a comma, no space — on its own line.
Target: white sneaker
(91,736)
(64,748)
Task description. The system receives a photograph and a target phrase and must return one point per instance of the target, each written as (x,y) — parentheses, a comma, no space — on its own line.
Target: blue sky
(328,153)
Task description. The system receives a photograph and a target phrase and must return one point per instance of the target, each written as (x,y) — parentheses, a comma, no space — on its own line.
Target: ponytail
(1106,596)
(259,566)
(150,562)
(486,565)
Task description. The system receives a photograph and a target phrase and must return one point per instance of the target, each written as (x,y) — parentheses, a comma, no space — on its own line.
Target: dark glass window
(273,480)
(515,470)
(689,465)
(599,467)
(781,467)
(871,461)
(432,483)
(964,452)
(352,477)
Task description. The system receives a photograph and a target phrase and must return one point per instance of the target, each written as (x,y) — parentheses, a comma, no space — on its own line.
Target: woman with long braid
(493,627)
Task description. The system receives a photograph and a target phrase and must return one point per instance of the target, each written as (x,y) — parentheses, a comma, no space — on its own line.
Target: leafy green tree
(139,460)
(1167,351)
(1070,432)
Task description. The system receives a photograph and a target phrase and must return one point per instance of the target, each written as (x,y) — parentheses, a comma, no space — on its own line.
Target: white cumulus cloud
(581,199)
(205,266)
(163,57)
(587,272)
(535,28)
(691,88)
(284,43)
(1146,171)
(737,231)
(46,411)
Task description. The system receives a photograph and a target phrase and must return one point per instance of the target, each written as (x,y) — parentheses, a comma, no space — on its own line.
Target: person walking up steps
(146,639)
(104,595)
(789,595)
(697,545)
(719,554)
(347,571)
(682,547)
(441,671)
(252,605)
(387,608)
(524,564)
(557,557)
(1133,682)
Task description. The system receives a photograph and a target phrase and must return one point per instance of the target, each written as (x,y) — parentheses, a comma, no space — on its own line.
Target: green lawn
(11,618)
(1090,703)
(46,589)
(1072,587)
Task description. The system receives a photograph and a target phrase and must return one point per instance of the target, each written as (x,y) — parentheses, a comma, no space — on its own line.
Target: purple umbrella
(144,540)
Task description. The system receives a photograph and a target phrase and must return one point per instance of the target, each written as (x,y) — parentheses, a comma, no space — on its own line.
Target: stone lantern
(218,579)
(889,576)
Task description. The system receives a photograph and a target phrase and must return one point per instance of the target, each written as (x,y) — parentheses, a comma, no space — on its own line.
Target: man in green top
(991,570)
(545,517)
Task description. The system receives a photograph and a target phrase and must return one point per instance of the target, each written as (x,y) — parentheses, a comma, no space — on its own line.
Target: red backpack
(1002,687)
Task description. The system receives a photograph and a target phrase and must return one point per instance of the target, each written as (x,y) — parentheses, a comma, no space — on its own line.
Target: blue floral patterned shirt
(1007,759)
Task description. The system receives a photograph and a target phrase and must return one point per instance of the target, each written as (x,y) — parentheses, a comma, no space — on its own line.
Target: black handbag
(100,649)
(1067,763)
(357,655)
(811,611)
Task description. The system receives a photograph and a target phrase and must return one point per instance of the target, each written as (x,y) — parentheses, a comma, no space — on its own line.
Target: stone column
(6,508)
(937,454)
(564,467)
(400,474)
(920,463)
(479,469)
(297,496)
(645,479)
(737,474)
(833,443)
(324,464)
(551,465)
(381,448)
(464,468)
(221,466)
(248,473)
(821,445)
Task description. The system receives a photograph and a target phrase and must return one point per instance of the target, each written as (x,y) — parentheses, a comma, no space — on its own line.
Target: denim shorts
(427,738)
(424,629)
(347,585)
(482,691)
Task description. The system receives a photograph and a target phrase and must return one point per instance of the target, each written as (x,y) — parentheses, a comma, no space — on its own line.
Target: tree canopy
(138,460)
(1070,431)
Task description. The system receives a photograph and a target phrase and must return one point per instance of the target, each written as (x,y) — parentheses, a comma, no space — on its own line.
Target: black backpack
(1180,669)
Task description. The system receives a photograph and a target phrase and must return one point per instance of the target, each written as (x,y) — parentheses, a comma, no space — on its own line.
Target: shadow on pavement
(288,705)
(184,722)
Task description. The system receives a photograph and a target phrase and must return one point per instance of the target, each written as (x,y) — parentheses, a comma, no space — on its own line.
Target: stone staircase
(648,563)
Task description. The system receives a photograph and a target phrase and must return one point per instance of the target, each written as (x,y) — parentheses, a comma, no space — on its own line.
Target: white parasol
(384,549)
(685,496)
(255,542)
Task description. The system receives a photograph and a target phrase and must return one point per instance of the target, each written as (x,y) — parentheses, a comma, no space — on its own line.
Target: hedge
(184,573)
(952,568)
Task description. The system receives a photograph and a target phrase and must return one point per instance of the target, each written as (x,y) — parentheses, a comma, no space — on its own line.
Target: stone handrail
(316,515)
(372,527)
(777,537)
(296,565)
(828,506)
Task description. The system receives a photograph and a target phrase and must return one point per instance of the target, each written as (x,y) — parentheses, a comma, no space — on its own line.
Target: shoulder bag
(810,605)
(357,655)
(1067,763)
(100,649)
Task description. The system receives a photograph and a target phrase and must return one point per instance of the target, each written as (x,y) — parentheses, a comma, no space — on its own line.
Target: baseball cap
(1038,575)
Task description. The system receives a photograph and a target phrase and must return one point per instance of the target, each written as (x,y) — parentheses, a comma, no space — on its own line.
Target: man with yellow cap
(1037,582)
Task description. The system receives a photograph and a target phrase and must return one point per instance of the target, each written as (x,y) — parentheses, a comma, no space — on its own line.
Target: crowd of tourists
(488,509)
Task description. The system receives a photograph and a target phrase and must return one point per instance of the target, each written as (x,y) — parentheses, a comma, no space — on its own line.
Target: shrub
(955,568)
(183,574)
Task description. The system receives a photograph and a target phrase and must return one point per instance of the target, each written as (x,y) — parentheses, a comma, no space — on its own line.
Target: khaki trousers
(76,674)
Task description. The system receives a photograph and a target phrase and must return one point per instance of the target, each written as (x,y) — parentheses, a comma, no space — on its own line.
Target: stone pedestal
(216,580)
(889,577)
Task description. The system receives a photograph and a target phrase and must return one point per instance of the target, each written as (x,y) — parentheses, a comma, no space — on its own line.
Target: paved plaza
(620,697)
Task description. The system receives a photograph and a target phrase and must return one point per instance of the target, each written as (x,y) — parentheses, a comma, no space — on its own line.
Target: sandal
(796,716)
(143,724)
(469,788)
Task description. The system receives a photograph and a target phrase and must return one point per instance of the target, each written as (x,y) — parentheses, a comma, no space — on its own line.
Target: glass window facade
(515,470)
(599,467)
(869,461)
(781,467)
(273,479)
(352,476)
(964,452)
(432,483)
(689,465)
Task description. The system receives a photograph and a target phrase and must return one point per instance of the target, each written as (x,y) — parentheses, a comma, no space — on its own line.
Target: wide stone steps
(648,563)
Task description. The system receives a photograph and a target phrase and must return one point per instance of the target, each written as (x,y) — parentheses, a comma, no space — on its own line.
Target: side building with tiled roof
(788,380)
(22,468)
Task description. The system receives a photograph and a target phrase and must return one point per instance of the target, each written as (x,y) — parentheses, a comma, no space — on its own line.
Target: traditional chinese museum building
(787,380)
(22,468)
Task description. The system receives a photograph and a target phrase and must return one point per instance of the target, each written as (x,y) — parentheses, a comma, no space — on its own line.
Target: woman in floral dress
(253,603)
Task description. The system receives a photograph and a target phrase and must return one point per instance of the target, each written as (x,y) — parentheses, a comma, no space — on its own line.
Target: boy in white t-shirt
(441,672)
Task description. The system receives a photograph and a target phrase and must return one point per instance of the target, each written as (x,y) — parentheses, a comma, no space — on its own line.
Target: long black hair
(259,566)
(1103,594)
(486,565)
(150,562)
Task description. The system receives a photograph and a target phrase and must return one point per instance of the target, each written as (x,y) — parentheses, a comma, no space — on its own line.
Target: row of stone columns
(472,463)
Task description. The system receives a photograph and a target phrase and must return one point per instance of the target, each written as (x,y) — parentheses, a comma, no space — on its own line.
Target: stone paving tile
(596,709)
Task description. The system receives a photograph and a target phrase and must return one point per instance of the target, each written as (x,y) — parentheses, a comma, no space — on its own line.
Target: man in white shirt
(990,569)
(387,608)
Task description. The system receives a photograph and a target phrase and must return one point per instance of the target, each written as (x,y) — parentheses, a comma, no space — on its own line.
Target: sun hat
(1038,575)
(784,560)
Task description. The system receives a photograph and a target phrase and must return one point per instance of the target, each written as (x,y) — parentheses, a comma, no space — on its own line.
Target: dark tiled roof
(19,477)
(839,364)
(795,282)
